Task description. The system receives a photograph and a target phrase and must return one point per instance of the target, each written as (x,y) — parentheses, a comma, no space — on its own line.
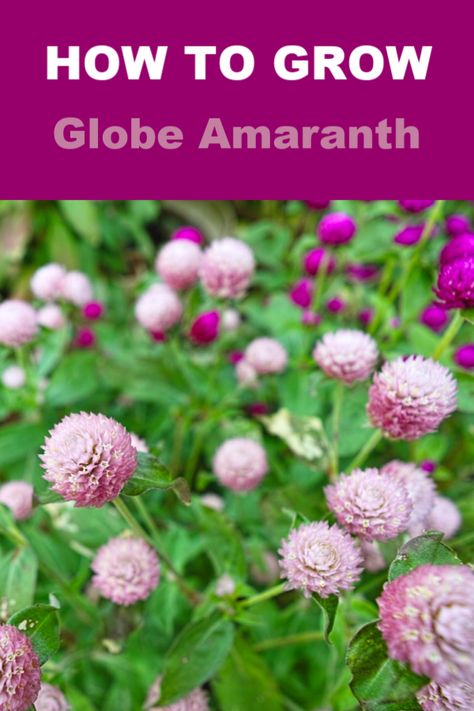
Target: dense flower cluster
(178,263)
(18,496)
(51,699)
(419,486)
(346,355)
(19,670)
(266,355)
(158,308)
(18,323)
(449,697)
(240,463)
(227,267)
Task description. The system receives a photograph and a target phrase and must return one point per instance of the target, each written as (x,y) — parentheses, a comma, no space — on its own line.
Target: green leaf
(329,607)
(73,380)
(18,573)
(152,474)
(41,624)
(303,435)
(83,216)
(378,682)
(428,548)
(196,655)
(223,543)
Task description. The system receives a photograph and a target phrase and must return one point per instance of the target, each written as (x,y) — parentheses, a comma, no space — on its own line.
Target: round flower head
(77,288)
(318,558)
(365,316)
(212,501)
(362,272)
(317,204)
(13,377)
(88,458)
(310,318)
(335,305)
(19,670)
(205,328)
(139,443)
(18,323)
(415,205)
(266,355)
(225,585)
(191,234)
(336,228)
(457,225)
(459,247)
(178,263)
(434,317)
(85,338)
(301,293)
(346,355)
(158,308)
(464,356)
(195,701)
(313,261)
(427,621)
(51,699)
(455,288)
(444,516)
(93,310)
(230,319)
(240,464)
(449,697)
(419,486)
(410,397)
(50,316)
(246,374)
(227,267)
(18,496)
(411,234)
(369,504)
(126,570)
(47,282)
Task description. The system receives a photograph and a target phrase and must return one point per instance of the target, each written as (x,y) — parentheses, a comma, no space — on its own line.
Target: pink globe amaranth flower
(310,318)
(139,443)
(427,621)
(266,355)
(178,263)
(449,697)
(50,316)
(318,204)
(444,516)
(362,272)
(158,336)
(455,288)
(457,225)
(20,671)
(225,585)
(18,323)
(257,409)
(235,357)
(158,308)
(318,558)
(301,293)
(428,465)
(411,234)
(205,328)
(335,305)
(93,311)
(191,234)
(85,338)
(419,486)
(47,282)
(415,205)
(212,501)
(459,247)
(464,356)
(374,561)
(246,374)
(240,464)
(410,397)
(336,228)
(195,701)
(313,261)
(227,267)
(346,355)
(77,289)
(14,377)
(51,699)
(230,320)
(365,316)
(370,504)
(126,570)
(88,458)
(18,496)
(434,317)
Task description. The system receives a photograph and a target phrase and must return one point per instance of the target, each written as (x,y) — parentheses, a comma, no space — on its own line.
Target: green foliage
(41,624)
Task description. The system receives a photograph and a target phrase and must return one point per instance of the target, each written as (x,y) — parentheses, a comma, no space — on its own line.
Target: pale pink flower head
(318,558)
(370,504)
(51,699)
(14,377)
(444,516)
(246,374)
(230,320)
(126,570)
(212,501)
(410,397)
(456,696)
(88,458)
(158,308)
(195,701)
(225,585)
(427,621)
(18,323)
(346,355)
(139,443)
(227,267)
(418,484)
(178,263)
(18,496)
(20,671)
(77,288)
(266,355)
(47,282)
(240,463)
(50,316)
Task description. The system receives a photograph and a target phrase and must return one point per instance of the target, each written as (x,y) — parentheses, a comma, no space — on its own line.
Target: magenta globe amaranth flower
(47,282)
(195,701)
(240,463)
(85,338)
(227,267)
(410,397)
(427,621)
(266,355)
(464,356)
(455,288)
(456,696)
(178,263)
(346,355)
(302,293)
(192,234)
(77,289)
(428,465)
(51,699)
(126,570)
(365,316)
(411,234)
(318,558)
(370,504)
(93,311)
(336,228)
(415,205)
(335,305)
(205,328)
(310,318)
(457,225)
(459,247)
(19,670)
(18,323)
(50,316)
(419,486)
(14,377)
(88,459)
(158,308)
(434,317)
(362,272)
(18,496)
(318,204)
(314,259)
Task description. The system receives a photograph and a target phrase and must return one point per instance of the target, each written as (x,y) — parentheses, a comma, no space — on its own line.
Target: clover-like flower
(158,308)
(449,697)
(336,228)
(455,287)
(419,486)
(240,463)
(346,355)
(178,263)
(266,355)
(18,323)
(14,377)
(18,496)
(47,282)
(20,672)
(227,268)
(51,699)
(77,289)
(444,516)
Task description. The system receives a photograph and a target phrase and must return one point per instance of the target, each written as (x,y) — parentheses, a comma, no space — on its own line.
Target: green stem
(368,447)
(130,519)
(299,638)
(265,595)
(336,422)
(320,281)
(383,284)
(449,335)
(178,441)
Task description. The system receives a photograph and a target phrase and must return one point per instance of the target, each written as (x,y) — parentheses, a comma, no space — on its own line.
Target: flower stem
(265,595)
(368,447)
(320,281)
(336,421)
(449,335)
(298,638)
(130,519)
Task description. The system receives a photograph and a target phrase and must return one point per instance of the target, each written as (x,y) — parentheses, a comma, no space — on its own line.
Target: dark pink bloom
(318,204)
(190,233)
(205,328)
(464,356)
(415,205)
(313,260)
(85,338)
(362,272)
(428,465)
(93,310)
(235,356)
(336,228)
(455,287)
(459,247)
(20,677)
(257,409)
(457,225)
(411,234)
(365,316)
(302,293)
(310,318)
(158,336)
(335,305)
(434,317)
